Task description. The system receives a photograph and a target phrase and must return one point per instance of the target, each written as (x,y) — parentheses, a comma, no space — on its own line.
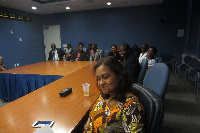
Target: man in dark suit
(130,63)
(56,53)
(79,55)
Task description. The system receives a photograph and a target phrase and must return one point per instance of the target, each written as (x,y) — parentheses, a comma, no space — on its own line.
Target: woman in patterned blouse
(116,110)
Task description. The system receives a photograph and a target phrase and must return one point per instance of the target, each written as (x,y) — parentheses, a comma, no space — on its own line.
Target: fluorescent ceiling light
(67,8)
(108,3)
(34,8)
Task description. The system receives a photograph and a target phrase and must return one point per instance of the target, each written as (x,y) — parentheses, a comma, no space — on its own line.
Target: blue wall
(31,49)
(137,25)
(134,25)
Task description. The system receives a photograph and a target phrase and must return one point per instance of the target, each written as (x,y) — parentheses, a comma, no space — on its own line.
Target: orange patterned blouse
(127,117)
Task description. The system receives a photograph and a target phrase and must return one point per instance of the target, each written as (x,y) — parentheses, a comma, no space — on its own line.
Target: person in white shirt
(96,53)
(143,55)
(151,56)
(68,52)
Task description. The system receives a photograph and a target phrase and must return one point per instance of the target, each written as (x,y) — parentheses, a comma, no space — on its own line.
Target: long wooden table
(50,68)
(46,104)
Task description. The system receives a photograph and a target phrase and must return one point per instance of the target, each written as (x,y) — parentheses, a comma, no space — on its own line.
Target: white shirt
(56,55)
(142,56)
(68,51)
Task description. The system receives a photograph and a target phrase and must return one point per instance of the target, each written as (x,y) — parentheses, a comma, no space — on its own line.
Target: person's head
(124,50)
(151,52)
(94,47)
(69,46)
(89,46)
(135,47)
(114,48)
(144,47)
(81,44)
(53,46)
(80,47)
(112,79)
(1,60)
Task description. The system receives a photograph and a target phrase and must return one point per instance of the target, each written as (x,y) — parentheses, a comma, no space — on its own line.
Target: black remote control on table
(65,92)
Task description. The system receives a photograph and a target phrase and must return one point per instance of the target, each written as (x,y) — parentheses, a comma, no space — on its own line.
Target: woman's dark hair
(114,46)
(154,49)
(115,66)
(146,46)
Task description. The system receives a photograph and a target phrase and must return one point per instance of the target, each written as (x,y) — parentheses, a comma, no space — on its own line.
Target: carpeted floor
(182,111)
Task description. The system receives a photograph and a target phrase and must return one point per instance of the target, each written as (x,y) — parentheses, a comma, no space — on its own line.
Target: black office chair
(153,106)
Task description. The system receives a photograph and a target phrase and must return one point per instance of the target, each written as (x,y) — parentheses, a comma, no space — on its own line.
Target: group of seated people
(129,57)
(117,109)
(93,53)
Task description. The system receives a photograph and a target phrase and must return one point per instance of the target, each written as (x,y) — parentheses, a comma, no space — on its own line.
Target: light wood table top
(50,68)
(46,104)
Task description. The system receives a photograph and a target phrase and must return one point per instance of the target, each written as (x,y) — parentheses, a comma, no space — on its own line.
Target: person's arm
(87,124)
(50,56)
(133,117)
(92,56)
(133,68)
(2,68)
(73,56)
(102,54)
(85,57)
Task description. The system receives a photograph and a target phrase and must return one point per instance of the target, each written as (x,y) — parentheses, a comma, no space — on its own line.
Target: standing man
(96,53)
(56,53)
(79,55)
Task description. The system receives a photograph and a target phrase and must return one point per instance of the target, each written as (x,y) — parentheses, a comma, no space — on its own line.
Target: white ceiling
(75,5)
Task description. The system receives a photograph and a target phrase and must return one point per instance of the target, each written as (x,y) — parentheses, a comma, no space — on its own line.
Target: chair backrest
(159,60)
(105,53)
(153,106)
(187,58)
(157,78)
(144,65)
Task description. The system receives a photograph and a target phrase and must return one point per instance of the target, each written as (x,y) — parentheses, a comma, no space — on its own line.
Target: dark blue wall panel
(28,51)
(134,25)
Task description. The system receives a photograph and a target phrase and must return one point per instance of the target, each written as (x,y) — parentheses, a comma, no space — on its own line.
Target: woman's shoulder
(131,99)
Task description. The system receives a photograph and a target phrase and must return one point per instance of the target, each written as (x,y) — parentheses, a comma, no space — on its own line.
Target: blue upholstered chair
(144,65)
(157,78)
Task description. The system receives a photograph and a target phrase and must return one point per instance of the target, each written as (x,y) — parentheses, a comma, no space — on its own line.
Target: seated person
(117,109)
(2,68)
(79,55)
(130,62)
(143,55)
(68,52)
(56,53)
(114,52)
(88,51)
(151,56)
(96,53)
(136,51)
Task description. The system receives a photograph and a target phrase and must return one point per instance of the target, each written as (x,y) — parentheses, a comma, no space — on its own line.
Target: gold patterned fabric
(127,117)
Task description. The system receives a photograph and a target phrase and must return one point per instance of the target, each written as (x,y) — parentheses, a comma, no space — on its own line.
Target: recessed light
(67,8)
(108,3)
(34,8)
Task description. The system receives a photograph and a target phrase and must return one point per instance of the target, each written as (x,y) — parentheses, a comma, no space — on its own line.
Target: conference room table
(46,104)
